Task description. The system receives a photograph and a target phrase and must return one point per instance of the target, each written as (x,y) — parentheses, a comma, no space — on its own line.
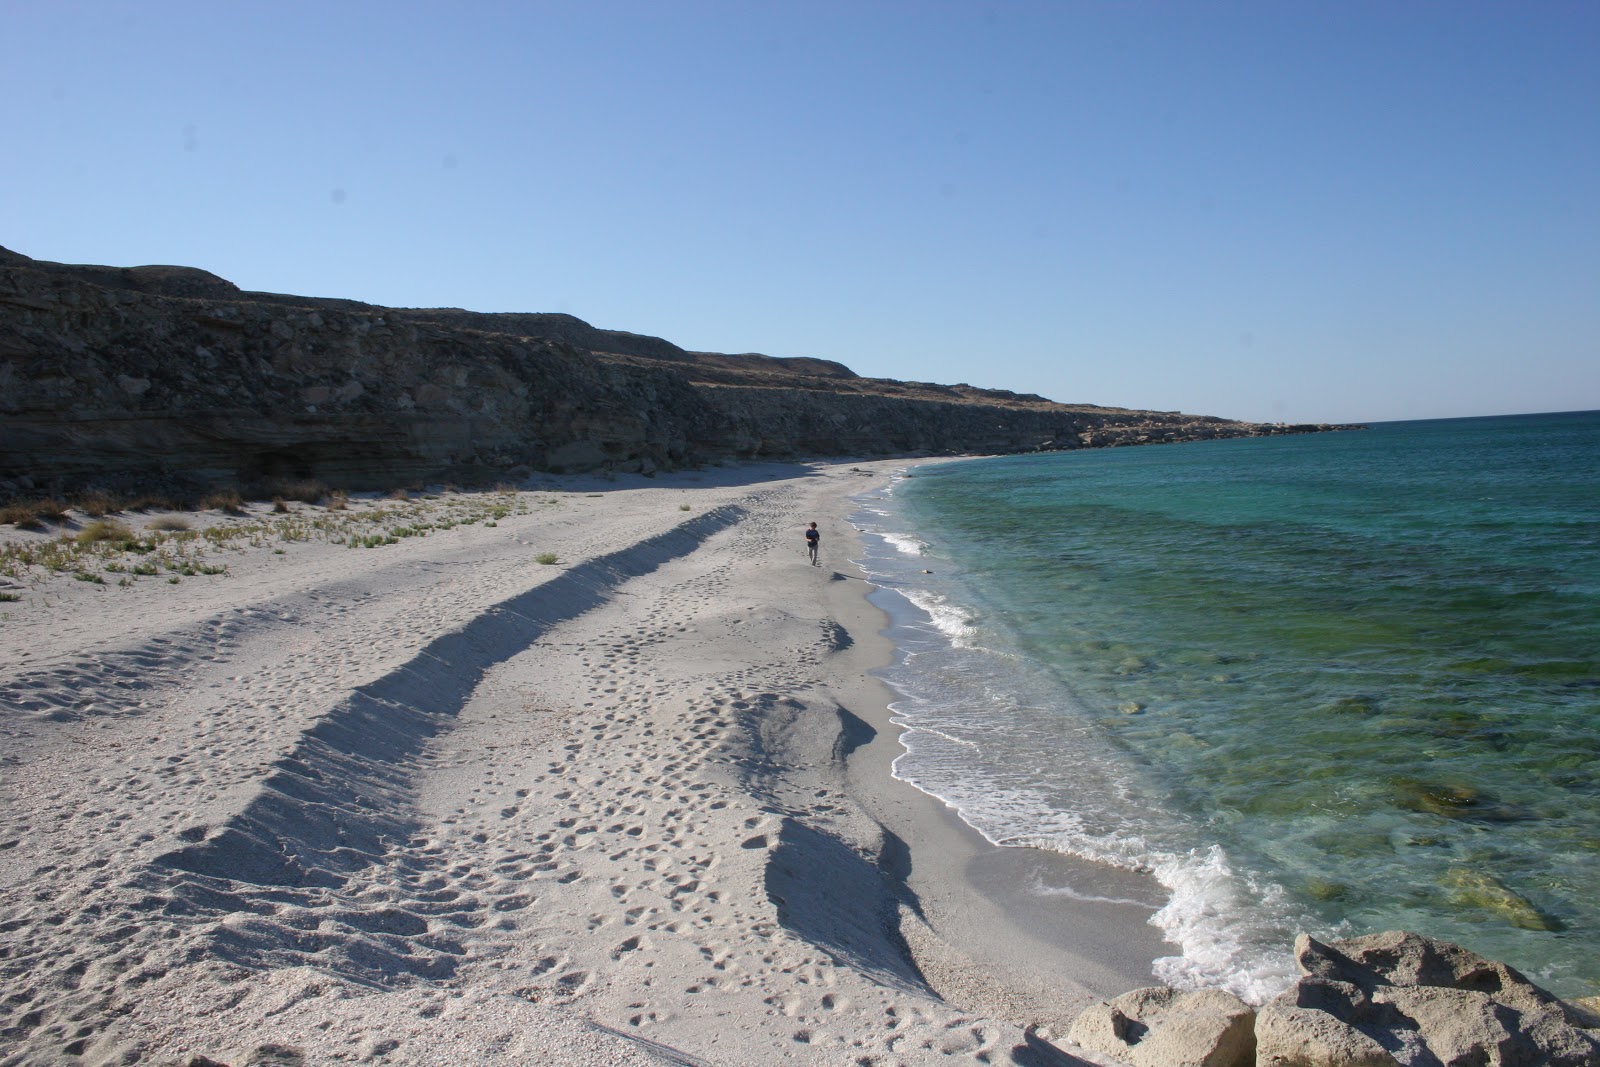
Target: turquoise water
(1340,682)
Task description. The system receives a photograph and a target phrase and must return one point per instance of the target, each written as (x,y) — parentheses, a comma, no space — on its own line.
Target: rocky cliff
(147,373)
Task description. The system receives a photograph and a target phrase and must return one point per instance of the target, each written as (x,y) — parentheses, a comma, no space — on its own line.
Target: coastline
(993,940)
(440,800)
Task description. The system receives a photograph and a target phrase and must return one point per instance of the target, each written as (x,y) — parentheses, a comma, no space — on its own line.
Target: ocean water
(1338,683)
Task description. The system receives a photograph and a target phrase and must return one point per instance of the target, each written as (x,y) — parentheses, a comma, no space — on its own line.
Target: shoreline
(977,897)
(439,800)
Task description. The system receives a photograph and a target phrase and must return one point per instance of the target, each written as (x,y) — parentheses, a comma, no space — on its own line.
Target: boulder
(1292,1036)
(1399,998)
(1162,1027)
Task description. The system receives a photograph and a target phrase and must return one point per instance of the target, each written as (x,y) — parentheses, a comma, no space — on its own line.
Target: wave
(990,734)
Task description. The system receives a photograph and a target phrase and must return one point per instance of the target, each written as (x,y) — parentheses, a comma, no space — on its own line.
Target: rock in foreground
(1394,999)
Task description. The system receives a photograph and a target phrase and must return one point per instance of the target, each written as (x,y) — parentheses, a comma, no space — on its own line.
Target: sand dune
(440,802)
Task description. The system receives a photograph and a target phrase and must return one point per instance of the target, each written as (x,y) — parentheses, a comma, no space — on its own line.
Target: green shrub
(547,558)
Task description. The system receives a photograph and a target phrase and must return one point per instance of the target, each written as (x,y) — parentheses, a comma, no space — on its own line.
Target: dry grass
(33,514)
(305,491)
(104,530)
(168,547)
(154,502)
(95,503)
(227,501)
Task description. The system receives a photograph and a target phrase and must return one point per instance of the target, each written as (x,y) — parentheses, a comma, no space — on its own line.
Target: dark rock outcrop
(163,372)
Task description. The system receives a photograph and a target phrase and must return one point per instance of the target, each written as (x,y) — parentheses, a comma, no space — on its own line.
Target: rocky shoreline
(139,375)
(1393,999)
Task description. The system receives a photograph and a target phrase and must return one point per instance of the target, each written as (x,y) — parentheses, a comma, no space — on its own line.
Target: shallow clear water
(1340,682)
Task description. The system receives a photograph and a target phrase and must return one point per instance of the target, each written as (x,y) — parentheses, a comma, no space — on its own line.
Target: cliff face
(170,372)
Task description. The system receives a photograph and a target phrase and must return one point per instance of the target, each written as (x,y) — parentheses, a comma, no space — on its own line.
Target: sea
(1335,683)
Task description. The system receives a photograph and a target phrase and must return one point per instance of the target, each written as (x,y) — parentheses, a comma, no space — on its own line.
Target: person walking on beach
(813,542)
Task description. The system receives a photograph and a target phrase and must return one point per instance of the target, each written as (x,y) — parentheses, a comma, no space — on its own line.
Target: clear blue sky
(1273,210)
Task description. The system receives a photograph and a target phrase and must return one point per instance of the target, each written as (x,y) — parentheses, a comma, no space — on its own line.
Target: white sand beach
(437,801)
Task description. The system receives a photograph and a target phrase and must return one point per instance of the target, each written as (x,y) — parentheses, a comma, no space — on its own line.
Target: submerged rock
(1479,889)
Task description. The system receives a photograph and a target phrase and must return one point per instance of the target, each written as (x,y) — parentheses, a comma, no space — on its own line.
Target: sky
(1275,211)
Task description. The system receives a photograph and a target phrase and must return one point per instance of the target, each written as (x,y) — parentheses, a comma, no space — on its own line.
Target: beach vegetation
(171,545)
(227,501)
(153,502)
(33,514)
(547,558)
(300,491)
(96,503)
(104,530)
(10,598)
(684,507)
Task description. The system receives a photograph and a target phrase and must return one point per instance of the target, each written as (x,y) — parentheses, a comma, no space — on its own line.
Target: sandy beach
(601,776)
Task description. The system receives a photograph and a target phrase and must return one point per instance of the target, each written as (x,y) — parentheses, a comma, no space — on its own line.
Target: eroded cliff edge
(158,372)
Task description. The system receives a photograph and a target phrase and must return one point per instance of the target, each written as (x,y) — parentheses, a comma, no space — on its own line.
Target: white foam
(1231,932)
(949,619)
(1221,934)
(908,546)
(1040,889)
(952,738)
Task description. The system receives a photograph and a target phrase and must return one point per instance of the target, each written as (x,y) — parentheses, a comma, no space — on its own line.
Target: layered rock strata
(170,372)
